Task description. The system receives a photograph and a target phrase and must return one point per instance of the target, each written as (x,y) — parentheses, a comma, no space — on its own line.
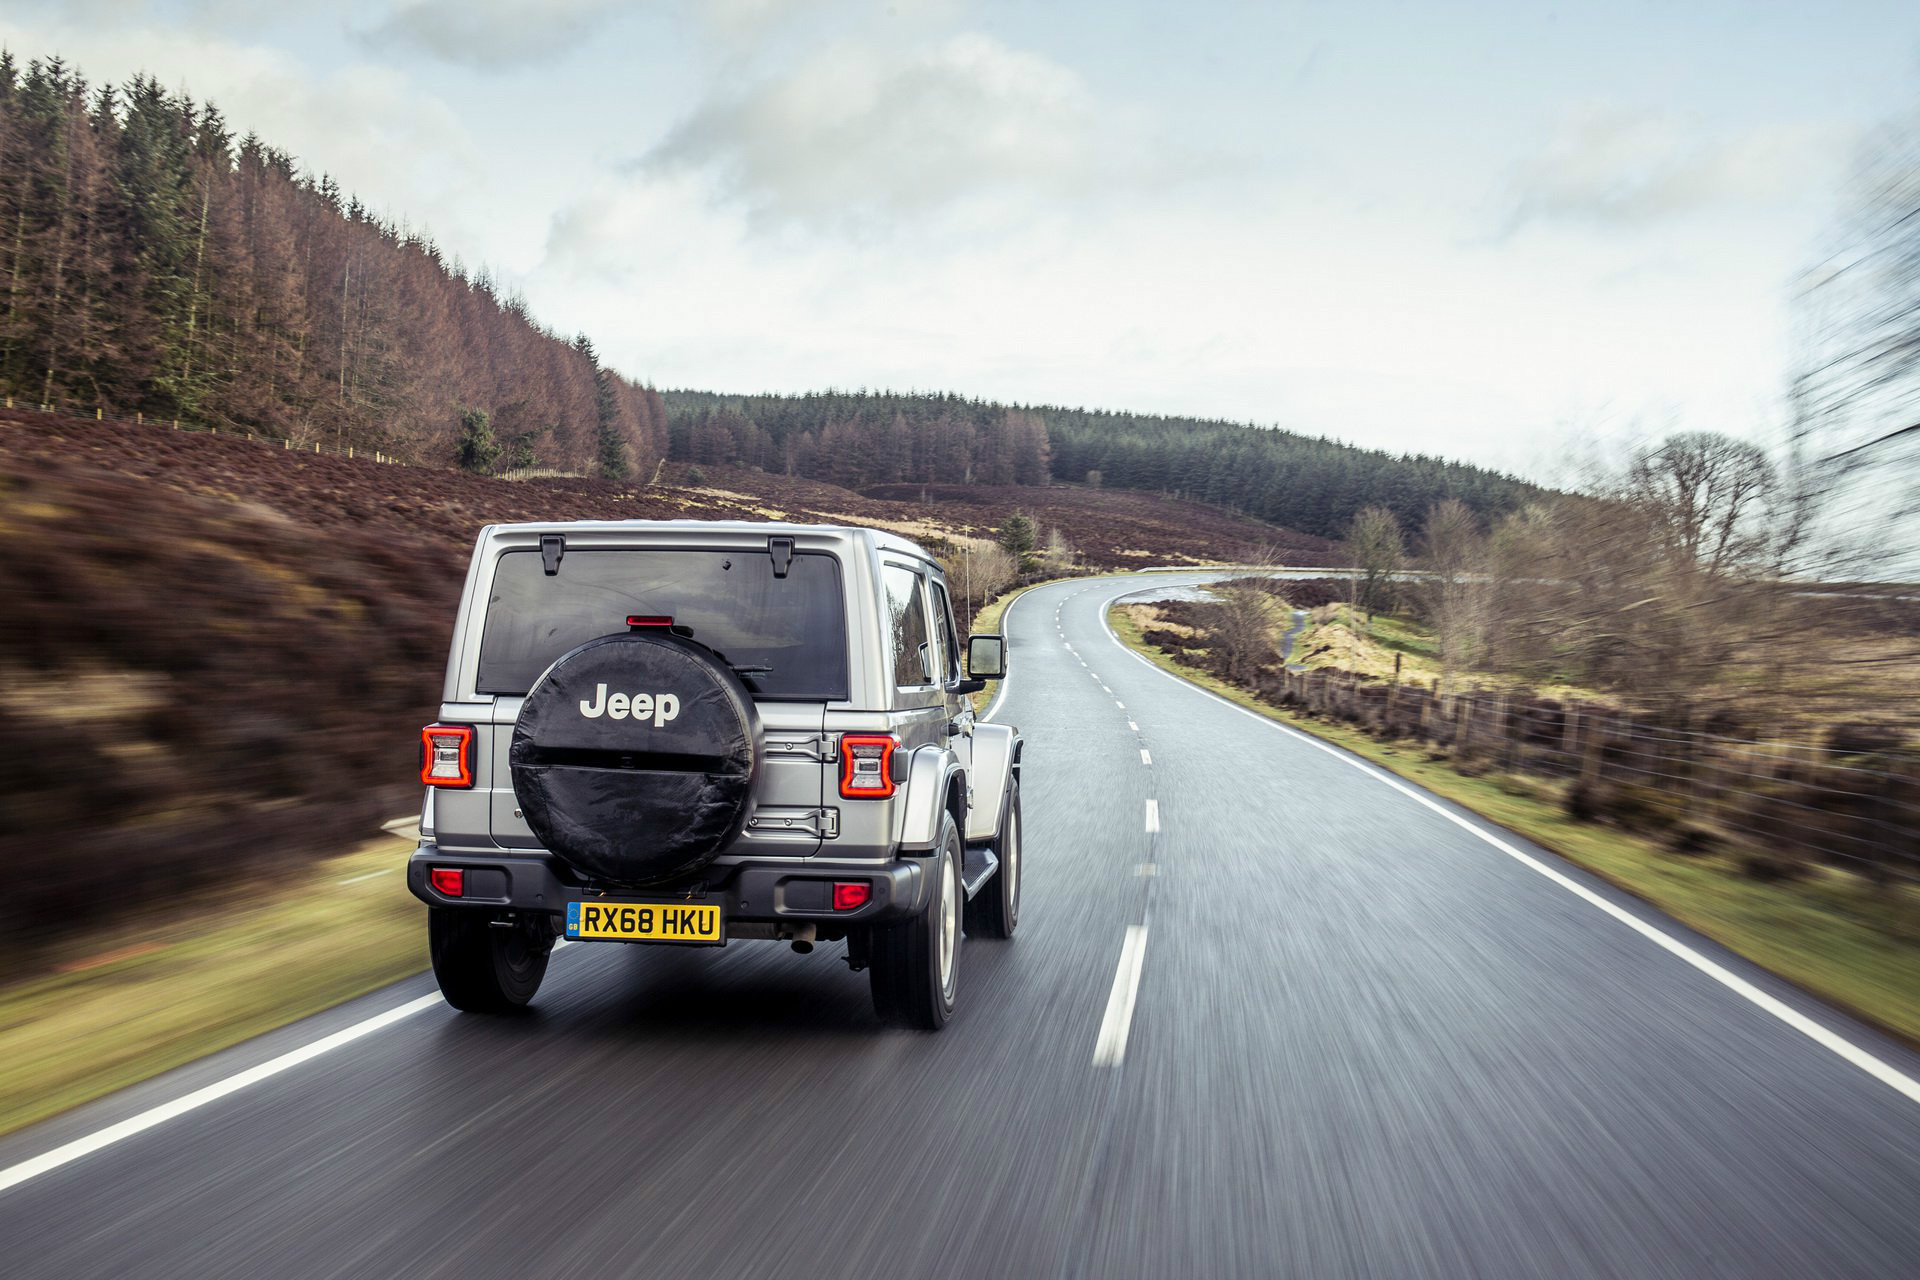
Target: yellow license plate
(692,922)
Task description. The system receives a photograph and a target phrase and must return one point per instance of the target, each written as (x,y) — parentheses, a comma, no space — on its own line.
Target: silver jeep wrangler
(691,733)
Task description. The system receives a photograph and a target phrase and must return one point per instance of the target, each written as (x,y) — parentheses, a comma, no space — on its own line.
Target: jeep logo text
(661,707)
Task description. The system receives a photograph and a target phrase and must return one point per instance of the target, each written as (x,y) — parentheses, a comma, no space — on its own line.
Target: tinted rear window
(786,636)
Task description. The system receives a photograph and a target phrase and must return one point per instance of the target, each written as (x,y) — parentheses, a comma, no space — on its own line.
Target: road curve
(1267,1014)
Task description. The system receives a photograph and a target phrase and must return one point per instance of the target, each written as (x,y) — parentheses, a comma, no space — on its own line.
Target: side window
(907,626)
(943,619)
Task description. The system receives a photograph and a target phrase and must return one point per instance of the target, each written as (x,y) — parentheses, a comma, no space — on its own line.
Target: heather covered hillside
(216,654)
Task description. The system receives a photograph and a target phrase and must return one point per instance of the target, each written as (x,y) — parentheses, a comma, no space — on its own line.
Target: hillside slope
(866,438)
(216,654)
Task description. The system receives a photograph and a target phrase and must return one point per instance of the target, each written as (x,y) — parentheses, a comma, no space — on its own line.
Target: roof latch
(781,549)
(552,547)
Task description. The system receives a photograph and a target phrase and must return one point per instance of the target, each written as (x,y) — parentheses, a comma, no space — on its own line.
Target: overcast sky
(1490,231)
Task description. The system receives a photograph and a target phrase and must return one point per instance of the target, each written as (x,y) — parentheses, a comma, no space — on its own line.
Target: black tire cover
(634,799)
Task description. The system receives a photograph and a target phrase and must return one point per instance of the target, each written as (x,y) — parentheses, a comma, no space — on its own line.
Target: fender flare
(996,758)
(930,771)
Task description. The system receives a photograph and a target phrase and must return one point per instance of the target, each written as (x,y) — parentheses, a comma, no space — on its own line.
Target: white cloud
(490,34)
(859,134)
(1632,168)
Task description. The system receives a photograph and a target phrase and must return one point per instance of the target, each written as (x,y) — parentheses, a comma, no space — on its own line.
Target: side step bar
(977,867)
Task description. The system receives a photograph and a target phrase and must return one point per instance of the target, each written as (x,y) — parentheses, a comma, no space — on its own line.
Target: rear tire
(916,963)
(482,969)
(995,910)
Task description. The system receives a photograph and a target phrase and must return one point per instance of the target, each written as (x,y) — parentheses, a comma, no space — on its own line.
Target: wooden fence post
(1594,732)
(1393,698)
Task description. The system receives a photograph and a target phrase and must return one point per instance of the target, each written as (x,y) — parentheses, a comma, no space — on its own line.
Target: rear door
(783,635)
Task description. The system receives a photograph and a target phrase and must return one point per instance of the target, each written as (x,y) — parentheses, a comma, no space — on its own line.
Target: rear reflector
(450,881)
(866,765)
(850,894)
(446,755)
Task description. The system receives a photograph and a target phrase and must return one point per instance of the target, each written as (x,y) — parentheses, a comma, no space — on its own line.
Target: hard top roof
(746,528)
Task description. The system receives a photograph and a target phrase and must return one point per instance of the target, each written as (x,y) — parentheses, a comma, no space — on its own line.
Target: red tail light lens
(849,894)
(448,880)
(649,620)
(866,765)
(446,755)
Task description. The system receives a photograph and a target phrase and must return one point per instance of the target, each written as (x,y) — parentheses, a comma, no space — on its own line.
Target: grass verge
(1853,945)
(148,997)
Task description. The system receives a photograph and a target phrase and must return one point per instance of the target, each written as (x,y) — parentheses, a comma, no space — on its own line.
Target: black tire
(909,985)
(994,912)
(482,969)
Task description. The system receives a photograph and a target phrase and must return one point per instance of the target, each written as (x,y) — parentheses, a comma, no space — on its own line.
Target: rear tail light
(866,765)
(450,881)
(637,620)
(851,894)
(446,755)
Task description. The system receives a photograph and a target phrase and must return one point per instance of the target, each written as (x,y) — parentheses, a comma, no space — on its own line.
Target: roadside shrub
(477,450)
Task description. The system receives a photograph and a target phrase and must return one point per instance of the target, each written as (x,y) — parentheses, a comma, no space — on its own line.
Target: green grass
(1402,635)
(1831,934)
(140,999)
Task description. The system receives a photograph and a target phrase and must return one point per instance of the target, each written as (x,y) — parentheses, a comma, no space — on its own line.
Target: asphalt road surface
(1267,1014)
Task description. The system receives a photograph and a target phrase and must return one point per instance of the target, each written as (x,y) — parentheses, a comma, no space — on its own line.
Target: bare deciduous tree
(1378,550)
(1453,595)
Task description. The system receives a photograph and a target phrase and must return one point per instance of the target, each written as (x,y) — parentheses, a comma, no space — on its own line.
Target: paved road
(1364,1041)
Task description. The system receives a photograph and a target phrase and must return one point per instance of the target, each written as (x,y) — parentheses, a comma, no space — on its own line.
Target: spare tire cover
(635,756)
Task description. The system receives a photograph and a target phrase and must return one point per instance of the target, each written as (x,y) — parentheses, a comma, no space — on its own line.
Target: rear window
(787,637)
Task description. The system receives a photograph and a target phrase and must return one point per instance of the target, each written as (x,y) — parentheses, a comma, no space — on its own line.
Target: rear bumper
(797,892)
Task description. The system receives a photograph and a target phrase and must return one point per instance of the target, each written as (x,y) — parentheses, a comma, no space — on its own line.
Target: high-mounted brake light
(866,765)
(446,755)
(649,619)
(451,881)
(851,894)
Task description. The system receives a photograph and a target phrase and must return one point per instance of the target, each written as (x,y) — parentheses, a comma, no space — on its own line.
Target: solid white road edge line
(1833,1042)
(1110,1048)
(166,1111)
(367,875)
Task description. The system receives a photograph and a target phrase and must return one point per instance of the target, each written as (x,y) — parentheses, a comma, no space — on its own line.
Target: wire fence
(1841,795)
(99,414)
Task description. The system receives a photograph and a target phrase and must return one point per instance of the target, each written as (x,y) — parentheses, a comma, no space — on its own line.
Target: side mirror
(987,657)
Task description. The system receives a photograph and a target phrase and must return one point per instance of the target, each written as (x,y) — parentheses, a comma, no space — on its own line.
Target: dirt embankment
(215,656)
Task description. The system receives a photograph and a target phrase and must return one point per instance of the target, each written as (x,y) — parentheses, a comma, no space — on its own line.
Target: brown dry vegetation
(215,654)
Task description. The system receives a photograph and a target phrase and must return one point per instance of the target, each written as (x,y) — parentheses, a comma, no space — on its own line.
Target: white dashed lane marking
(1110,1049)
(1144,757)
(1153,815)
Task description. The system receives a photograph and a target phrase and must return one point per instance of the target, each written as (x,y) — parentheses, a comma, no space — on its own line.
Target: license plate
(690,922)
